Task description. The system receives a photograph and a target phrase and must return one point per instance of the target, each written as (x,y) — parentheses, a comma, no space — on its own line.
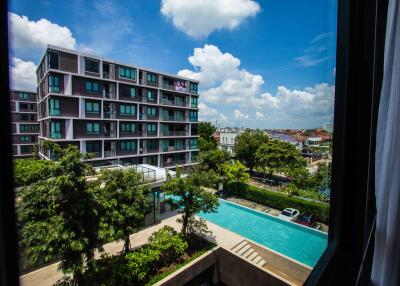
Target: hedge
(278,200)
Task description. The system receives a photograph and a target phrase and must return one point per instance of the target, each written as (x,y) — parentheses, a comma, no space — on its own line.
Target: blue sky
(265,64)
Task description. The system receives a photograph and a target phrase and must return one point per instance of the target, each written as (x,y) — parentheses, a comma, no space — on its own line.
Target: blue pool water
(295,241)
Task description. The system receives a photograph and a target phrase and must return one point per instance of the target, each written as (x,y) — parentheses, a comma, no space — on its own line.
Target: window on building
(194,87)
(23,105)
(151,111)
(54,84)
(54,107)
(132,92)
(151,144)
(127,73)
(24,128)
(151,95)
(92,128)
(127,127)
(127,145)
(26,149)
(193,116)
(23,96)
(91,87)
(93,147)
(193,143)
(151,127)
(26,117)
(52,59)
(151,77)
(194,102)
(152,160)
(92,107)
(24,138)
(55,130)
(92,65)
(127,110)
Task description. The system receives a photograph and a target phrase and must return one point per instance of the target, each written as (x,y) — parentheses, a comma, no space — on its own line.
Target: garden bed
(165,253)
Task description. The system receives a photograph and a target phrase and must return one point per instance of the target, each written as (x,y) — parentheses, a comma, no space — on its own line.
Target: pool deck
(49,274)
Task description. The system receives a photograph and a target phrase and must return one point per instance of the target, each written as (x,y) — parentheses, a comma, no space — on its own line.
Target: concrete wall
(228,268)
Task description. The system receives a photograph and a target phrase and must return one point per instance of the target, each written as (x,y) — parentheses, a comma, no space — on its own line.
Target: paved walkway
(48,275)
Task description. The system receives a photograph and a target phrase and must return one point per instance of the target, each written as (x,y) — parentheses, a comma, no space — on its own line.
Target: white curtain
(386,263)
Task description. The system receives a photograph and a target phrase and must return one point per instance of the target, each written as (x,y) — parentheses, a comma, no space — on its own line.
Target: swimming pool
(300,243)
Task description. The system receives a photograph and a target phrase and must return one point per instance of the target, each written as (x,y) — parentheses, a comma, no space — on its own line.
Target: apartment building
(120,113)
(24,122)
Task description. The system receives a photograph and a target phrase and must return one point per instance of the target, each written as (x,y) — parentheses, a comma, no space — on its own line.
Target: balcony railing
(173,102)
(110,134)
(193,91)
(173,118)
(110,114)
(173,148)
(173,87)
(108,75)
(110,153)
(173,163)
(146,82)
(173,133)
(109,95)
(148,117)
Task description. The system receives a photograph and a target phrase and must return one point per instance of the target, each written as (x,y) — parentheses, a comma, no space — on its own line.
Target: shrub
(278,200)
(164,247)
(29,171)
(170,244)
(142,261)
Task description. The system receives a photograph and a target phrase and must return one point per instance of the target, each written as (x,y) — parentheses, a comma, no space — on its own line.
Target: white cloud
(23,74)
(310,60)
(222,75)
(226,86)
(27,34)
(199,18)
(239,115)
(259,114)
(207,113)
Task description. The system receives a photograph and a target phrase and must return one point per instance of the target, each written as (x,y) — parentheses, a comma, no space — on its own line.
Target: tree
(29,171)
(321,180)
(35,152)
(191,198)
(214,159)
(206,140)
(59,217)
(246,145)
(235,172)
(278,156)
(125,201)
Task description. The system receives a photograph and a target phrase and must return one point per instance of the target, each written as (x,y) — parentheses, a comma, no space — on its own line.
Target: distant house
(287,138)
(313,141)
(227,139)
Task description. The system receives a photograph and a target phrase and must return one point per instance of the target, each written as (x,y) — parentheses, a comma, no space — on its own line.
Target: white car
(289,214)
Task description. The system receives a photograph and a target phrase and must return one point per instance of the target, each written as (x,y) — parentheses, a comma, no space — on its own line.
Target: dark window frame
(89,63)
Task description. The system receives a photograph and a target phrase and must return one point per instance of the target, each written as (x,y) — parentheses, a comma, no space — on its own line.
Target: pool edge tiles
(297,242)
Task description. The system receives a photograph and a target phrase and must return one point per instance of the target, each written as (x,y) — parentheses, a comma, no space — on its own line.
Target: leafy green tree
(125,200)
(35,152)
(206,139)
(246,145)
(191,198)
(29,171)
(235,172)
(321,180)
(214,159)
(58,216)
(278,156)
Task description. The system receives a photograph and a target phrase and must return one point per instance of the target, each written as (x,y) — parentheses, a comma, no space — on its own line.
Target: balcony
(110,114)
(173,148)
(112,153)
(148,117)
(173,102)
(173,163)
(173,118)
(173,133)
(174,87)
(143,81)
